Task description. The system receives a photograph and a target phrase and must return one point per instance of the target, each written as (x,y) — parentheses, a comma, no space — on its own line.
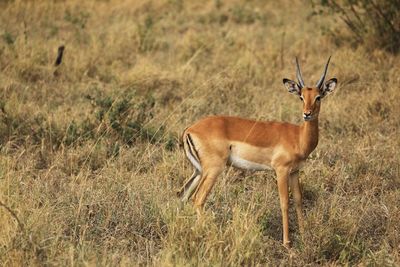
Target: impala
(216,141)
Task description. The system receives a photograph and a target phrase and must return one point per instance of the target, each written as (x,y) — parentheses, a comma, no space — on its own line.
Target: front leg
(282,174)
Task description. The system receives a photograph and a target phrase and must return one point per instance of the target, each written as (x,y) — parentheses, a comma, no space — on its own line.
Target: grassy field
(89,154)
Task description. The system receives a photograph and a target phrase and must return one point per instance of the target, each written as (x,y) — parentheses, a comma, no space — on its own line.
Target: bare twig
(59,55)
(21,226)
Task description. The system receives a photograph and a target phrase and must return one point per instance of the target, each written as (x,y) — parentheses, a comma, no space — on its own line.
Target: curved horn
(298,74)
(321,80)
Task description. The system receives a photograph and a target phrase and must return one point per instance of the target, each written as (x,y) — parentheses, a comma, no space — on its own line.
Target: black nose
(308,113)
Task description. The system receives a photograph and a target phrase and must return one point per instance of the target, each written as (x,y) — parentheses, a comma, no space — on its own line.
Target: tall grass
(89,157)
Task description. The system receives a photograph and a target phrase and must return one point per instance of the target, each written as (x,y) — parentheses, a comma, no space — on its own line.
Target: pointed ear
(292,86)
(329,86)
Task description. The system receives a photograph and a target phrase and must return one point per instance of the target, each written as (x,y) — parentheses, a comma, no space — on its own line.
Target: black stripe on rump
(190,140)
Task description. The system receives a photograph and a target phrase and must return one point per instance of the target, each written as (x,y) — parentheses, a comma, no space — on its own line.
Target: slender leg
(207,182)
(296,190)
(184,189)
(190,190)
(283,187)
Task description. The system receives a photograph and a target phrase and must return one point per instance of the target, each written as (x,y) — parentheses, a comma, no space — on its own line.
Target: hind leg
(297,195)
(207,182)
(190,185)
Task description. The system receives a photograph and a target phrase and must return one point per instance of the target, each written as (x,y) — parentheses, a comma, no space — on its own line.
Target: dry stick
(21,226)
(59,58)
(60,54)
(28,239)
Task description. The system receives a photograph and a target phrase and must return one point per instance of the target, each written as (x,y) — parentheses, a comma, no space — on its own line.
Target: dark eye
(301,98)
(318,98)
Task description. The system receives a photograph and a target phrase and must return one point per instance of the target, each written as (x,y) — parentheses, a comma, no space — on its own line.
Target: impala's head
(311,96)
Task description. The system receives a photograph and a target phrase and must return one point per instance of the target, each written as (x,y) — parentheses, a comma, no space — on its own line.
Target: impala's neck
(308,136)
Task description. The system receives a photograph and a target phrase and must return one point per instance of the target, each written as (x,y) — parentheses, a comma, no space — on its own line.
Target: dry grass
(84,182)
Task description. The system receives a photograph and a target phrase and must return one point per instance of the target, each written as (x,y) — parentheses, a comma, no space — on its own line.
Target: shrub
(373,23)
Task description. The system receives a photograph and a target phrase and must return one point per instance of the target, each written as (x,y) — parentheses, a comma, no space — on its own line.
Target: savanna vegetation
(89,149)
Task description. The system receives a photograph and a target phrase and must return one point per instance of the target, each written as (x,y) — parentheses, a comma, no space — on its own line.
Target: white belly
(241,163)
